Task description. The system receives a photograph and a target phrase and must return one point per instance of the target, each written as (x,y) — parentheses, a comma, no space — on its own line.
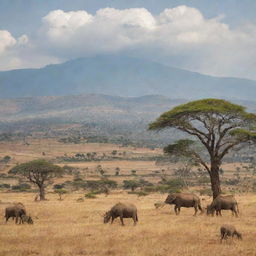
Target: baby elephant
(26,219)
(229,230)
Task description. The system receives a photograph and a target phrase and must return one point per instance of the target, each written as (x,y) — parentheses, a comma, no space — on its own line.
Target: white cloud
(6,41)
(179,36)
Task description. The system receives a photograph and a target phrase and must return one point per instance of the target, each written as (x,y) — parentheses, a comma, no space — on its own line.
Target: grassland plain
(71,228)
(67,228)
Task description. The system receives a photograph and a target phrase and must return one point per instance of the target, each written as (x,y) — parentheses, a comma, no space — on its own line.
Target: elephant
(227,231)
(222,202)
(122,210)
(184,200)
(15,211)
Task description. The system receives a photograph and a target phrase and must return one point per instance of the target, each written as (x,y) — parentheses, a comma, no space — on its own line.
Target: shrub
(232,182)
(4,185)
(59,186)
(21,187)
(131,184)
(90,195)
(60,192)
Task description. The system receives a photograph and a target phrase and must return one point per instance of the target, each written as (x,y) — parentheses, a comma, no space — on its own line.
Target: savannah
(75,227)
(127,128)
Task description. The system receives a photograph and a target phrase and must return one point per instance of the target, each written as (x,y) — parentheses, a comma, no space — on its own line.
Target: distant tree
(100,170)
(114,152)
(39,172)
(217,125)
(6,159)
(117,171)
(131,184)
(60,192)
(133,172)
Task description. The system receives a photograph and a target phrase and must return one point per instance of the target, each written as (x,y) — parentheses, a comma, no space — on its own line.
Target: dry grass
(70,228)
(67,228)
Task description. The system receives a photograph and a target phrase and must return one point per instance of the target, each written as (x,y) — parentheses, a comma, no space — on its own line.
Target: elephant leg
(222,237)
(196,210)
(176,209)
(234,212)
(179,209)
(122,221)
(7,218)
(134,219)
(112,219)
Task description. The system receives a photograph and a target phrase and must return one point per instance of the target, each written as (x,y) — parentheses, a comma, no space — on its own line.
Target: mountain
(120,76)
(86,107)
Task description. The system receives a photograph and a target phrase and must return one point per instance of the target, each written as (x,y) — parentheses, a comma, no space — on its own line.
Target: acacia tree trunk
(215,180)
(41,192)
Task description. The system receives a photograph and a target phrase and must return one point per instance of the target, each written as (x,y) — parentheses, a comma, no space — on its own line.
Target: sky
(215,37)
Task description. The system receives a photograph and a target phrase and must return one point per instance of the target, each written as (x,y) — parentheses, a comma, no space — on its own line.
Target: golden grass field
(67,228)
(71,228)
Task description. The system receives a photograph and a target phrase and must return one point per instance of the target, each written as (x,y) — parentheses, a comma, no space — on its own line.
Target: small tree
(60,192)
(100,170)
(39,172)
(117,171)
(131,184)
(133,172)
(217,125)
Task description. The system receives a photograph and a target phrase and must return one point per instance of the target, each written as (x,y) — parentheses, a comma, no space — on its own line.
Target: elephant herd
(222,202)
(125,210)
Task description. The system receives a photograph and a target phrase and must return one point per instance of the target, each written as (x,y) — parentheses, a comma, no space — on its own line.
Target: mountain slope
(122,76)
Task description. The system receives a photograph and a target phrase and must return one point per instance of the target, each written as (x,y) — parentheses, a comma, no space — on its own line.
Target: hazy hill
(87,107)
(120,76)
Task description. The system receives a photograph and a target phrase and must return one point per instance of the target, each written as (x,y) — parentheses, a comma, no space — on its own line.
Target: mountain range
(120,76)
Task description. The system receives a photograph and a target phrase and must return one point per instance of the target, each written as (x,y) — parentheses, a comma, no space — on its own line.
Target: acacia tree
(39,172)
(217,124)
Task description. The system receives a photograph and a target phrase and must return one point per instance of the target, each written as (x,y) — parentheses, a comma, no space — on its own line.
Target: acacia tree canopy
(217,124)
(39,172)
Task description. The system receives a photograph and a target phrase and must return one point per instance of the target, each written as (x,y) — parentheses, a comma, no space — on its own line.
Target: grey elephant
(223,202)
(184,200)
(15,211)
(121,210)
(229,231)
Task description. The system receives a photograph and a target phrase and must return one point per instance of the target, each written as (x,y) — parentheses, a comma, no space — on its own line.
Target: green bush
(21,187)
(4,186)
(90,195)
(59,186)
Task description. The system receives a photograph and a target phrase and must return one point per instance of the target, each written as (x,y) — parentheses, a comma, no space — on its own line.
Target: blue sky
(213,37)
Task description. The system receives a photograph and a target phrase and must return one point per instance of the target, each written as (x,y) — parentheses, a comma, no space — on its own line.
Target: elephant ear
(173,197)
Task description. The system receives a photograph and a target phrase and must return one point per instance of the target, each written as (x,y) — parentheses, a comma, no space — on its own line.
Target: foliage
(5,159)
(39,172)
(131,184)
(59,186)
(4,186)
(60,192)
(90,195)
(21,187)
(218,126)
